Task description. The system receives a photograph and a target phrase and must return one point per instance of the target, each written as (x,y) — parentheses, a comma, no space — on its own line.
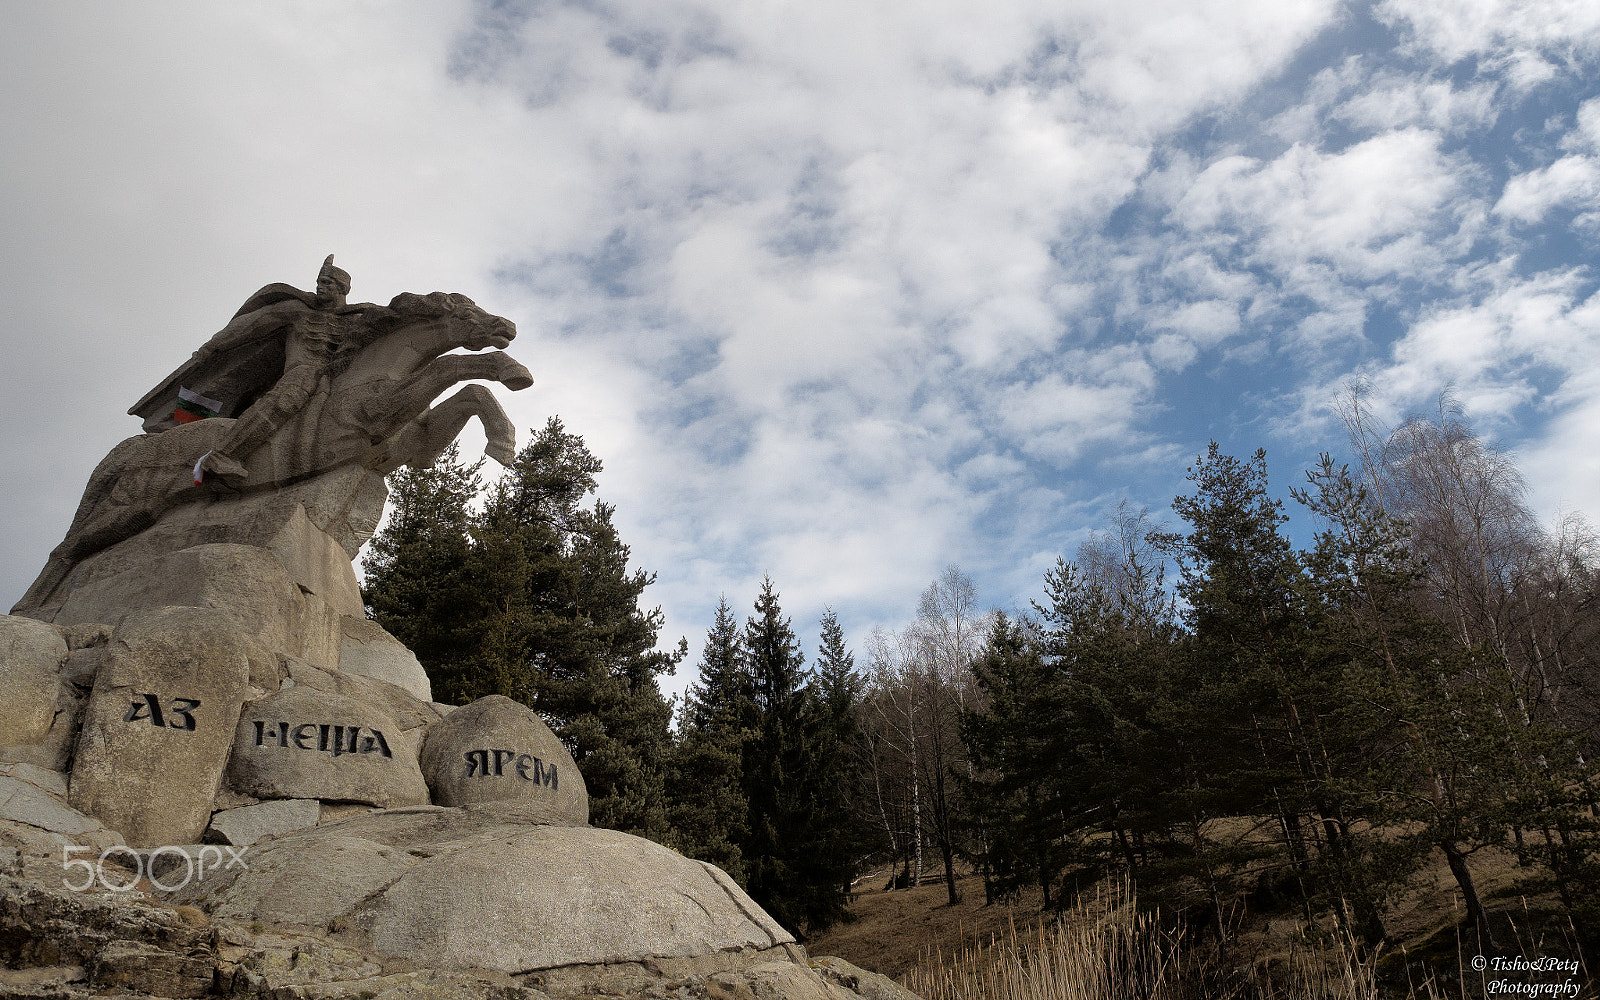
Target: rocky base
(58,944)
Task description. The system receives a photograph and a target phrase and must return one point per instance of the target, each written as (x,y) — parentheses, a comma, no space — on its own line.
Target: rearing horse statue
(315,385)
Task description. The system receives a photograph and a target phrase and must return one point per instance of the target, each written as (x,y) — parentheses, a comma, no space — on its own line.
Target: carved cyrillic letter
(181,707)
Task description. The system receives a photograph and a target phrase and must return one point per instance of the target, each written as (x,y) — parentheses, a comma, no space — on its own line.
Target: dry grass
(894,930)
(1106,949)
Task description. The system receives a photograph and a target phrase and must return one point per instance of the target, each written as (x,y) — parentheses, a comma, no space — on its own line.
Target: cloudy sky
(840,292)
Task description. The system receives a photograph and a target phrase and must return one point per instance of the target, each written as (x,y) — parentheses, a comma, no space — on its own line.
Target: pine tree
(1425,734)
(776,762)
(1010,788)
(847,835)
(1246,720)
(709,813)
(417,585)
(791,834)
(542,607)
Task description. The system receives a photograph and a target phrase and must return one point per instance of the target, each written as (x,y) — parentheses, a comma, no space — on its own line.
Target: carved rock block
(302,743)
(158,724)
(496,750)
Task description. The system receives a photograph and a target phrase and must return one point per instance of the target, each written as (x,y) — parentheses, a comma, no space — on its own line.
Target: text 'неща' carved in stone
(529,767)
(332,739)
(148,706)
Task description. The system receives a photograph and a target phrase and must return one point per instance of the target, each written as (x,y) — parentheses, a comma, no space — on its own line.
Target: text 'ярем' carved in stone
(529,767)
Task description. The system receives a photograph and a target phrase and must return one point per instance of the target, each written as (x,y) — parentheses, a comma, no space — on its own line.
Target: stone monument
(193,671)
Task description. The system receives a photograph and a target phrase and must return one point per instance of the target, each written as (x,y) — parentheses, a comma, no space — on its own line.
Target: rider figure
(316,338)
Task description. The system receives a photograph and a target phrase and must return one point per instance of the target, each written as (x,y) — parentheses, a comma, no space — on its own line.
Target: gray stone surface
(870,985)
(24,802)
(300,880)
(54,782)
(67,945)
(331,811)
(418,884)
(411,715)
(83,663)
(154,779)
(246,825)
(53,752)
(498,750)
(31,657)
(781,980)
(87,635)
(301,743)
(584,896)
(370,651)
(273,614)
(276,522)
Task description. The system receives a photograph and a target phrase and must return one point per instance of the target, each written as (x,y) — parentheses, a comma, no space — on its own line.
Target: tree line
(1228,719)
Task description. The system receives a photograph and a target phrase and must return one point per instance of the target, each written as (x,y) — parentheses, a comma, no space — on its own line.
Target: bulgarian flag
(193,406)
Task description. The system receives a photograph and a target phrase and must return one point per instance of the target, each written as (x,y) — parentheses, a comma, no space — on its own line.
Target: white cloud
(1527,41)
(1570,182)
(1394,101)
(1371,212)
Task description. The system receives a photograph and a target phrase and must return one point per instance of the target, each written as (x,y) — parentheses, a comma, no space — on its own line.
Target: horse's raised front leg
(402,402)
(420,442)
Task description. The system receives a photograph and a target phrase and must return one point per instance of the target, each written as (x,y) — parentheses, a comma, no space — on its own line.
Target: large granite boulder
(68,945)
(410,714)
(495,750)
(478,887)
(45,691)
(549,896)
(159,722)
(31,656)
(313,529)
(302,743)
(271,611)
(369,651)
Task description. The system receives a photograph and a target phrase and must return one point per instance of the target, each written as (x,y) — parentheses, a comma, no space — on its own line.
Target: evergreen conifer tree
(417,584)
(846,833)
(1010,788)
(790,829)
(709,813)
(541,607)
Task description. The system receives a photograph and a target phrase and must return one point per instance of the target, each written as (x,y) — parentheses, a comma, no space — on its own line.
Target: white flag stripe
(189,395)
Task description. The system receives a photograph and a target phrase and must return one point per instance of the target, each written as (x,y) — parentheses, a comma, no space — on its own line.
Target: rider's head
(333,283)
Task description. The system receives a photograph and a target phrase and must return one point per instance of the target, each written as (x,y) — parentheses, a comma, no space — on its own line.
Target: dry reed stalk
(1105,949)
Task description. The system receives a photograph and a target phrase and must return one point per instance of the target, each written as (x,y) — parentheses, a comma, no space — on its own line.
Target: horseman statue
(296,386)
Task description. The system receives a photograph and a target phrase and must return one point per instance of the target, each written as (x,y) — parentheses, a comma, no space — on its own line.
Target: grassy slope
(895,930)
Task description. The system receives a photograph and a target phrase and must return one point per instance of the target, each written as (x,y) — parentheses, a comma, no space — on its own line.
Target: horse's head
(454,314)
